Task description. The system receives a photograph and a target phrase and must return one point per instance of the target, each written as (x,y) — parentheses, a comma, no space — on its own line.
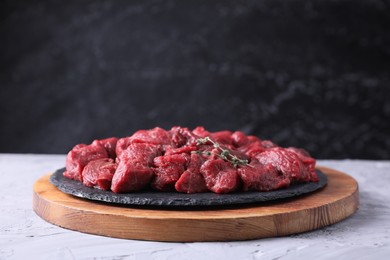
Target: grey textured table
(24,235)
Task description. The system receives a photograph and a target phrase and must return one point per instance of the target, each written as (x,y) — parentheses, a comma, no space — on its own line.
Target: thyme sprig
(224,154)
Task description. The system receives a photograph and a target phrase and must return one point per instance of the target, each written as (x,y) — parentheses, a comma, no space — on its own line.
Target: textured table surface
(24,235)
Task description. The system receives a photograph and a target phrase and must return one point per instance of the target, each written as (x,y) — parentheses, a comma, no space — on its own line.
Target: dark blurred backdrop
(312,74)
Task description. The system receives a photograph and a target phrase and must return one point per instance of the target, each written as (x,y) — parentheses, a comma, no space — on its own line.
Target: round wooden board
(338,200)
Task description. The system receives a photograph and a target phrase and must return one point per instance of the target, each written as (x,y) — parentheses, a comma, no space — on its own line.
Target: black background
(312,74)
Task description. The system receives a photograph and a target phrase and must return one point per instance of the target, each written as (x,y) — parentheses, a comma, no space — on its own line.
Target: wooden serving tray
(338,200)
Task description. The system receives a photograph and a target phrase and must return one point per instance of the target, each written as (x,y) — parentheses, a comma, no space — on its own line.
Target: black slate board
(155,198)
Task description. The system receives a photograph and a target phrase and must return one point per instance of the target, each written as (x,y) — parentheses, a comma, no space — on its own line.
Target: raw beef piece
(239,139)
(261,177)
(252,148)
(192,181)
(252,138)
(268,144)
(222,137)
(77,146)
(133,172)
(141,153)
(182,136)
(308,161)
(302,153)
(201,132)
(80,156)
(109,144)
(255,146)
(287,162)
(167,160)
(121,145)
(99,173)
(168,170)
(130,178)
(156,135)
(220,176)
(169,150)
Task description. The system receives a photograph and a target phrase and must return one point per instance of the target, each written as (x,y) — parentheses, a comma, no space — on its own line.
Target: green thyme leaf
(224,154)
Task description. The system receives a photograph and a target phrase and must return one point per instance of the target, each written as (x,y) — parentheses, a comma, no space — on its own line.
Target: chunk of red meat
(251,149)
(307,160)
(287,162)
(168,170)
(252,138)
(78,146)
(99,173)
(192,181)
(239,139)
(220,176)
(262,177)
(122,145)
(299,151)
(200,132)
(222,137)
(80,156)
(156,135)
(182,136)
(133,172)
(255,146)
(141,153)
(109,144)
(268,144)
(169,150)
(129,177)
(167,160)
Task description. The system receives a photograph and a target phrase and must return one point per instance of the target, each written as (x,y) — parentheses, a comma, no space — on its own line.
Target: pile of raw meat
(189,162)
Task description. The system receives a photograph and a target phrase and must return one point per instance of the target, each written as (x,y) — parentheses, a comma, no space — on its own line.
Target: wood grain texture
(338,200)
